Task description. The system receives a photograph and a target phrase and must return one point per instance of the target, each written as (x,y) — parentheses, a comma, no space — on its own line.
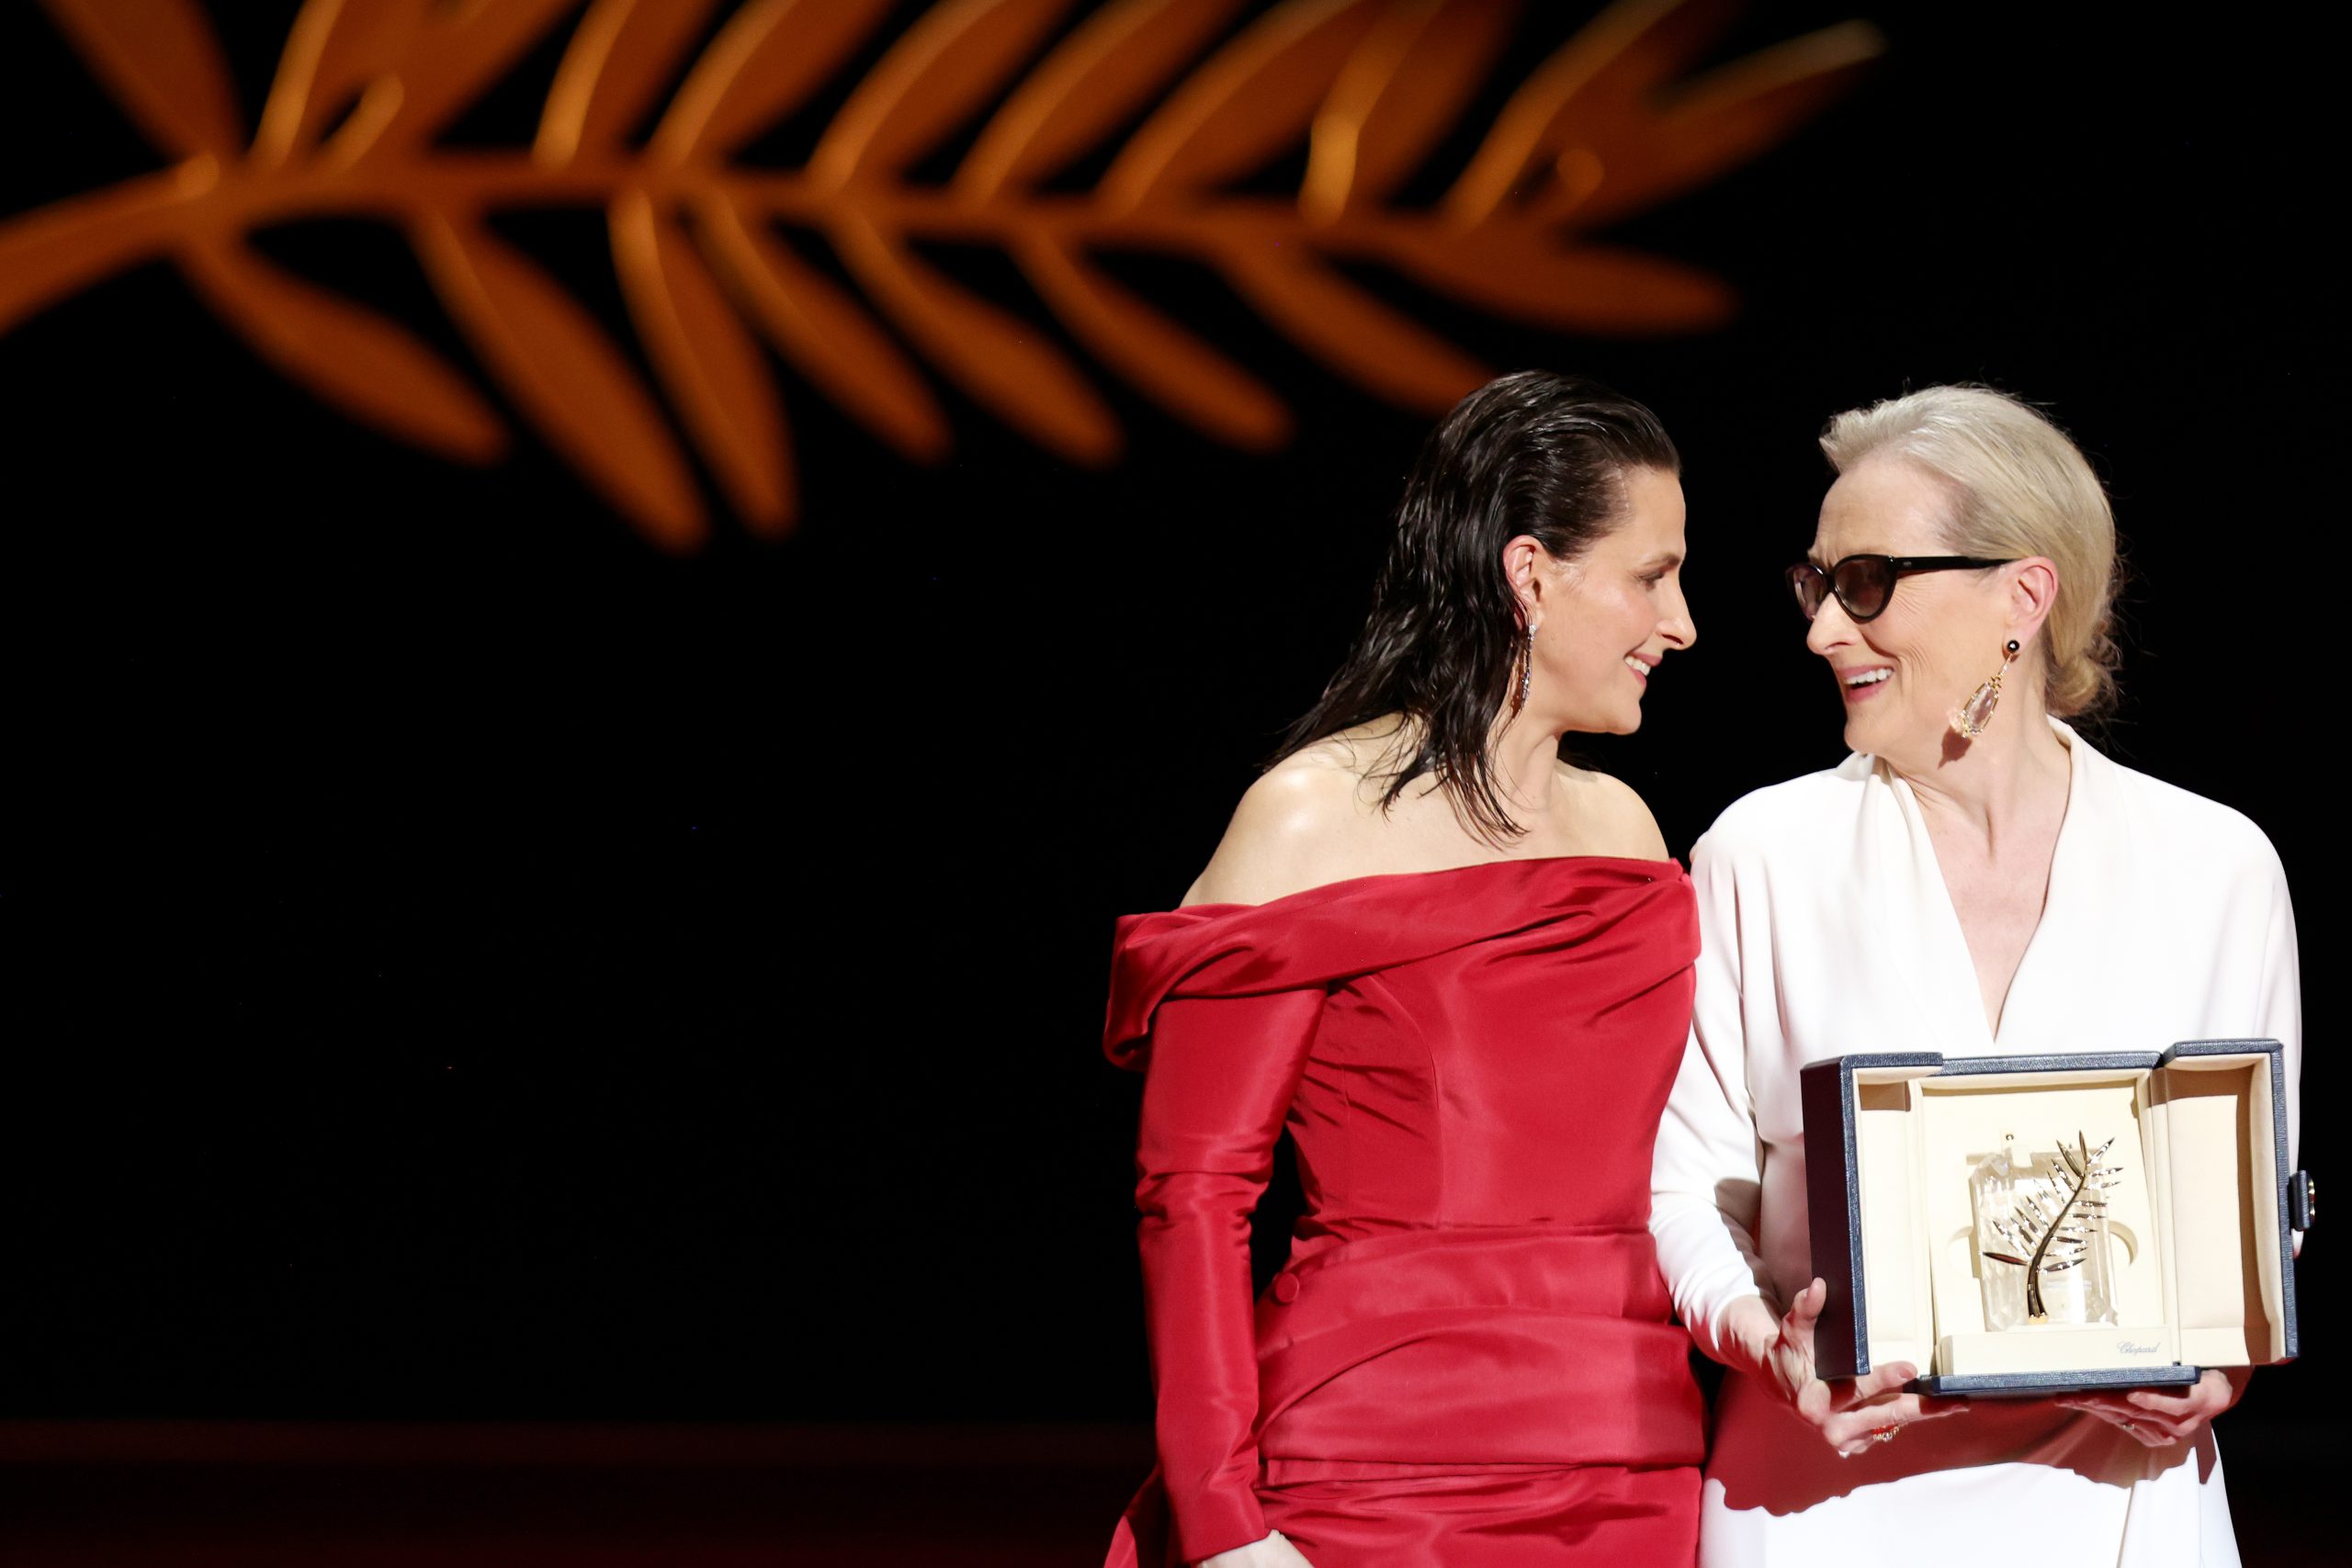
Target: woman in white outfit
(1976,879)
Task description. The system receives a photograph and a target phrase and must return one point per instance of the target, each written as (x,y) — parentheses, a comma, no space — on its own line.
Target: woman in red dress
(1457,970)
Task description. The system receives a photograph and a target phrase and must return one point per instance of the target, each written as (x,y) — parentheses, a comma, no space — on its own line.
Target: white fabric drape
(1826,930)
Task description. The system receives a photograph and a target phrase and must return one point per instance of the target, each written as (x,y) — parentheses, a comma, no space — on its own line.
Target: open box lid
(2197,1097)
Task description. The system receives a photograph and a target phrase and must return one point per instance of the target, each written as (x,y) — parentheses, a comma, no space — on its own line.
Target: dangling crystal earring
(1974,714)
(1526,662)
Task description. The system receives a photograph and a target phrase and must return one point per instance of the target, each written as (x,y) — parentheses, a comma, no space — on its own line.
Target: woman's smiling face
(1902,673)
(1619,609)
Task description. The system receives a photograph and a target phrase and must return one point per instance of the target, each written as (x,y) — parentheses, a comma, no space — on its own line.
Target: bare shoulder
(1293,827)
(1609,815)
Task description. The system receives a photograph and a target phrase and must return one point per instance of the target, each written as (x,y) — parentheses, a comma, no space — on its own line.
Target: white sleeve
(1707,1182)
(2281,1004)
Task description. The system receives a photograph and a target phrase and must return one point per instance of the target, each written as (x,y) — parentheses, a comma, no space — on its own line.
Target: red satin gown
(1469,1361)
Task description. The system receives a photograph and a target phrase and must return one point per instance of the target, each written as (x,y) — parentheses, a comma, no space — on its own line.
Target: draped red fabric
(1469,1357)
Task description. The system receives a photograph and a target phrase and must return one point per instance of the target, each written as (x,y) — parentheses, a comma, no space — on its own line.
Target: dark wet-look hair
(1529,453)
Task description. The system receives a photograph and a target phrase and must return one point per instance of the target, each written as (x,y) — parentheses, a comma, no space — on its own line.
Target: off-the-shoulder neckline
(1345,882)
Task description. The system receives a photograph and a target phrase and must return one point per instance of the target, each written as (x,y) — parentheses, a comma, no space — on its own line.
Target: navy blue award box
(2199,1265)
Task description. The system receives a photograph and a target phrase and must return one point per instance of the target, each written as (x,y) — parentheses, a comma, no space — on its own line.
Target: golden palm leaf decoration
(1605,128)
(2050,1219)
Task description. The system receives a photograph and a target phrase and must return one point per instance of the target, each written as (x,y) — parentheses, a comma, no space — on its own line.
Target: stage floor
(192,1495)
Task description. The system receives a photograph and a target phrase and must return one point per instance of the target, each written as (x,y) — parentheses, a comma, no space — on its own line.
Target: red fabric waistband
(1490,1345)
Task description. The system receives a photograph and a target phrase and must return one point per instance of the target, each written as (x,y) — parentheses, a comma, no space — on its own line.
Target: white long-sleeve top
(1826,930)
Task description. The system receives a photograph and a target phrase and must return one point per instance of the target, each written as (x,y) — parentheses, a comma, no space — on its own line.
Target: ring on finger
(1883,1434)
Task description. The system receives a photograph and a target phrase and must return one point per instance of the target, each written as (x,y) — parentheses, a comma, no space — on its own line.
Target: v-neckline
(1944,914)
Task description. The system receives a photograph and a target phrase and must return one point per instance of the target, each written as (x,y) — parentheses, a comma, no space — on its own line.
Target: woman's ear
(2034,594)
(1522,558)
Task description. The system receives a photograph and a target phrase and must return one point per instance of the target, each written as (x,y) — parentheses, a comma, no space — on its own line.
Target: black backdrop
(462,963)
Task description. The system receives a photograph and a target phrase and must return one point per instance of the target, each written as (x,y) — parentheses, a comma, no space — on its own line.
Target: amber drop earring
(1968,721)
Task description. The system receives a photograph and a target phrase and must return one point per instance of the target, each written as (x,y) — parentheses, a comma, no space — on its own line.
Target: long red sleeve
(1222,1073)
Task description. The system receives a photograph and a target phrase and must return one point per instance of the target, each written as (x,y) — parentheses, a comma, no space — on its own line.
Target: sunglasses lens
(1863,583)
(1806,582)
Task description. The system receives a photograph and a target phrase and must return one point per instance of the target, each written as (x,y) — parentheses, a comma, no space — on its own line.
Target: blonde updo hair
(2021,488)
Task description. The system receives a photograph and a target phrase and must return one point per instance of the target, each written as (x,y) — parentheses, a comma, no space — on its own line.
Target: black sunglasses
(1864,584)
